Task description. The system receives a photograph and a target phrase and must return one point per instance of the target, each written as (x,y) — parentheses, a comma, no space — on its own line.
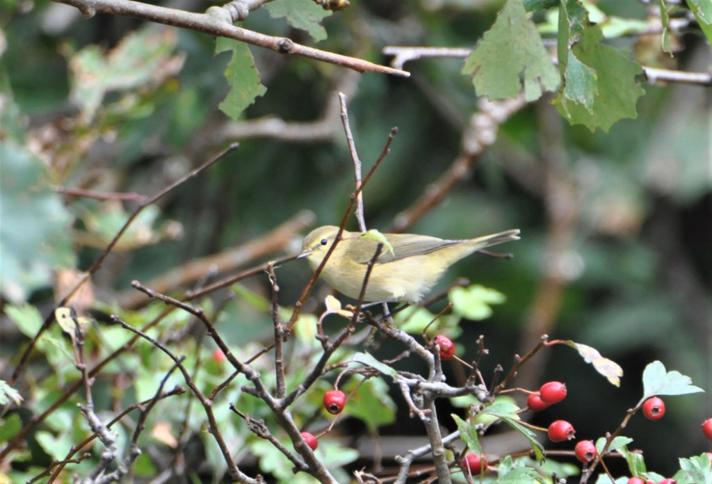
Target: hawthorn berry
(310,440)
(561,431)
(654,408)
(585,451)
(552,392)
(667,481)
(535,403)
(636,480)
(334,401)
(474,463)
(218,356)
(707,428)
(447,347)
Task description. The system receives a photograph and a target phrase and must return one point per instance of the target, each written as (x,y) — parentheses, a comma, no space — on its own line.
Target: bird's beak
(305,253)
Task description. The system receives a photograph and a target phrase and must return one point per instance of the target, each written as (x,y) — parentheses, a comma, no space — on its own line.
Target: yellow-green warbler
(408,266)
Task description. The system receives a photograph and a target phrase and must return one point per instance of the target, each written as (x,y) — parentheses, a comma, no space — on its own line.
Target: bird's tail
(485,241)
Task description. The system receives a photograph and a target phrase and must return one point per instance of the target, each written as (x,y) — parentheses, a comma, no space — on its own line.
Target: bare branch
(217,21)
(403,54)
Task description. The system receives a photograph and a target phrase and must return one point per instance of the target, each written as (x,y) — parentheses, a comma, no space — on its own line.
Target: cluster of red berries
(549,394)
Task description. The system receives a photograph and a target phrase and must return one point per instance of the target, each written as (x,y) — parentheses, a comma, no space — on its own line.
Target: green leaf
(694,470)
(534,5)
(702,10)
(635,460)
(35,233)
(665,19)
(503,405)
(617,443)
(658,381)
(27,318)
(468,434)
(511,57)
(301,14)
(370,403)
(11,425)
(474,302)
(517,472)
(616,86)
(579,82)
(527,433)
(8,393)
(368,360)
(57,447)
(242,77)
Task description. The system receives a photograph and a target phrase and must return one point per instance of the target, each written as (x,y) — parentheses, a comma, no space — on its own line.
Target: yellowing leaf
(242,77)
(511,57)
(608,368)
(163,432)
(332,304)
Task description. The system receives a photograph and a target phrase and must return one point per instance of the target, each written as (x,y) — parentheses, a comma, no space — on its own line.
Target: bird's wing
(404,245)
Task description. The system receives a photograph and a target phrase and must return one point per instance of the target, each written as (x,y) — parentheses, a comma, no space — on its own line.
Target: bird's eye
(324,242)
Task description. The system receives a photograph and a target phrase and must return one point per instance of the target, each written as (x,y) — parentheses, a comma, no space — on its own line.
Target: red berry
(334,401)
(585,451)
(707,428)
(535,403)
(474,463)
(447,347)
(561,431)
(654,408)
(310,440)
(667,481)
(218,356)
(552,392)
(636,480)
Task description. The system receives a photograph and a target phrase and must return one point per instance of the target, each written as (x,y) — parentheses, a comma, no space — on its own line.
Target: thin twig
(518,364)
(360,216)
(278,333)
(80,192)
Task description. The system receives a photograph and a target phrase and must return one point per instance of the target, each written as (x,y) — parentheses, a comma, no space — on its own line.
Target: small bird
(407,268)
